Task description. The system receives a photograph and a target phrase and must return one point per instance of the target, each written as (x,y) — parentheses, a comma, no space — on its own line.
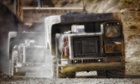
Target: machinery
(27,54)
(86,42)
(71,43)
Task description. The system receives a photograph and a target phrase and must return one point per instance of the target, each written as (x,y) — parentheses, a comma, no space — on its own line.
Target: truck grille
(87,46)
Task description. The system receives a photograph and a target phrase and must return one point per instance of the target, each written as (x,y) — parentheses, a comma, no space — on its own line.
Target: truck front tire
(115,74)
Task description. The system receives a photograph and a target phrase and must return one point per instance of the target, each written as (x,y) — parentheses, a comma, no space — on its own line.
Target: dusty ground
(73,81)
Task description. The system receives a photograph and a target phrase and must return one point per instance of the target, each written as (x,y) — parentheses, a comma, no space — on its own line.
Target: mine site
(69,41)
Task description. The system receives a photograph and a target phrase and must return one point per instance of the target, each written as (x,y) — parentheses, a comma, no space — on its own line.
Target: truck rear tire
(54,67)
(101,73)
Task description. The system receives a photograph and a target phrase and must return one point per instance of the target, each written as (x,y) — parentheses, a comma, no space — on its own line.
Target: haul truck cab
(86,42)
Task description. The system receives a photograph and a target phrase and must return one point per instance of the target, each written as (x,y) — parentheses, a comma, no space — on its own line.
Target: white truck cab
(80,42)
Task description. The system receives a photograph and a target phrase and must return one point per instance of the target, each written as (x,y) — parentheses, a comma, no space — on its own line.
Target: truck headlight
(64,61)
(113,48)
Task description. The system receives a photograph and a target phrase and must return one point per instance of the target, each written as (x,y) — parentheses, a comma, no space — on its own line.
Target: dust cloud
(8,22)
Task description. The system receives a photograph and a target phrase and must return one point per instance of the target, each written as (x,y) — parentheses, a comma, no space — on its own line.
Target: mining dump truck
(86,42)
(71,43)
(27,54)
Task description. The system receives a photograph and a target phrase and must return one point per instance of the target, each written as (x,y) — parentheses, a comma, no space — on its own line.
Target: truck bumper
(91,67)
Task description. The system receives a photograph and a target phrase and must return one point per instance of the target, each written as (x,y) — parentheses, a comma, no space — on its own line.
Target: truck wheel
(14,60)
(101,73)
(115,73)
(54,67)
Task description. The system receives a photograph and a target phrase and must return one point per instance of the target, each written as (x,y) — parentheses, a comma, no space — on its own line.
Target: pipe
(39,3)
(18,8)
